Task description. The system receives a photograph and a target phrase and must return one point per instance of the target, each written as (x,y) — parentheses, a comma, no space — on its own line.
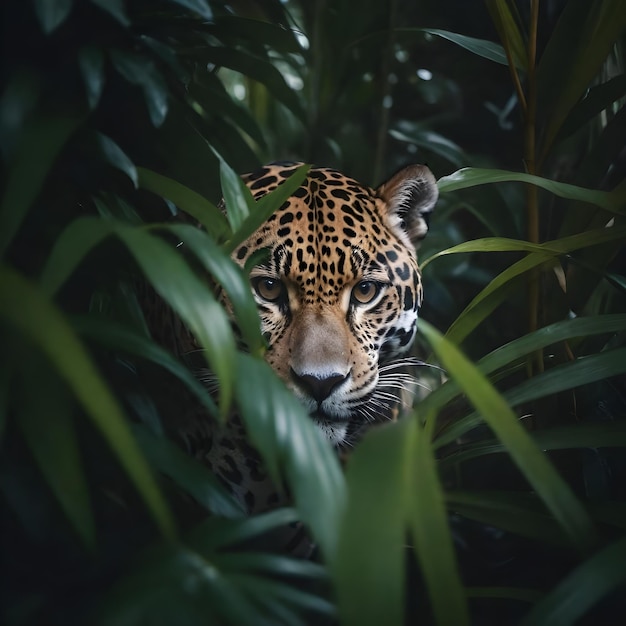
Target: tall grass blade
(553,490)
(31,313)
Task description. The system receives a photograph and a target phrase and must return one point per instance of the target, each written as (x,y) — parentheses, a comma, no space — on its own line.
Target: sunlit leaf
(494,410)
(582,589)
(30,312)
(472,176)
(207,214)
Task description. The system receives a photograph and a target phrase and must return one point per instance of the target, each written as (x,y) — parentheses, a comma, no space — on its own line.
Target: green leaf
(120,338)
(512,512)
(556,247)
(46,422)
(237,197)
(169,275)
(91,63)
(52,13)
(431,532)
(142,71)
(31,313)
(201,7)
(115,8)
(279,427)
(42,140)
(472,176)
(378,479)
(583,588)
(267,205)
(433,142)
(494,293)
(594,435)
(519,348)
(588,31)
(553,490)
(509,32)
(230,276)
(187,473)
(506,593)
(218,533)
(567,376)
(481,47)
(111,153)
(596,100)
(189,297)
(260,69)
(192,203)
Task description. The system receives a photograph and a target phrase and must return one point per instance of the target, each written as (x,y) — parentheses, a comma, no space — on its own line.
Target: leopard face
(339,290)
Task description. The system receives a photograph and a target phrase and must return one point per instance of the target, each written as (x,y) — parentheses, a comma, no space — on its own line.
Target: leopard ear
(410,197)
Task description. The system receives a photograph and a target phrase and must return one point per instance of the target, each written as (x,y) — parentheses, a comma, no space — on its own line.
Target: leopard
(338,292)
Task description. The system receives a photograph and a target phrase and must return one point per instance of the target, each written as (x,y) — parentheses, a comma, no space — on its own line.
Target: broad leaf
(46,422)
(41,142)
(431,532)
(192,203)
(553,490)
(52,13)
(31,313)
(472,176)
(378,479)
(582,589)
(91,63)
(280,428)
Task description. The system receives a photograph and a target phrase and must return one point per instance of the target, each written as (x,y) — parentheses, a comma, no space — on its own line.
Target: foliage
(116,115)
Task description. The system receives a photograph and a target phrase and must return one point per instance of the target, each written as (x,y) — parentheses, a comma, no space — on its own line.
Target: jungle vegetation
(500,497)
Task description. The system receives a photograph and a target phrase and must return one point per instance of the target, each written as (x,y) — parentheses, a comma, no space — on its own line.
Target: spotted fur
(338,296)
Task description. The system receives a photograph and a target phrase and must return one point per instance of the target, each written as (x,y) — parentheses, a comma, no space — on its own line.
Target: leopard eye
(270,289)
(365,292)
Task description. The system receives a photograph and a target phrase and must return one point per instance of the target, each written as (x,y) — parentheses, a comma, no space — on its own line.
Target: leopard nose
(318,387)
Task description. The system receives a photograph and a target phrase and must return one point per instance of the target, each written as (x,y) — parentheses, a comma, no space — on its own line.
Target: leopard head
(339,290)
